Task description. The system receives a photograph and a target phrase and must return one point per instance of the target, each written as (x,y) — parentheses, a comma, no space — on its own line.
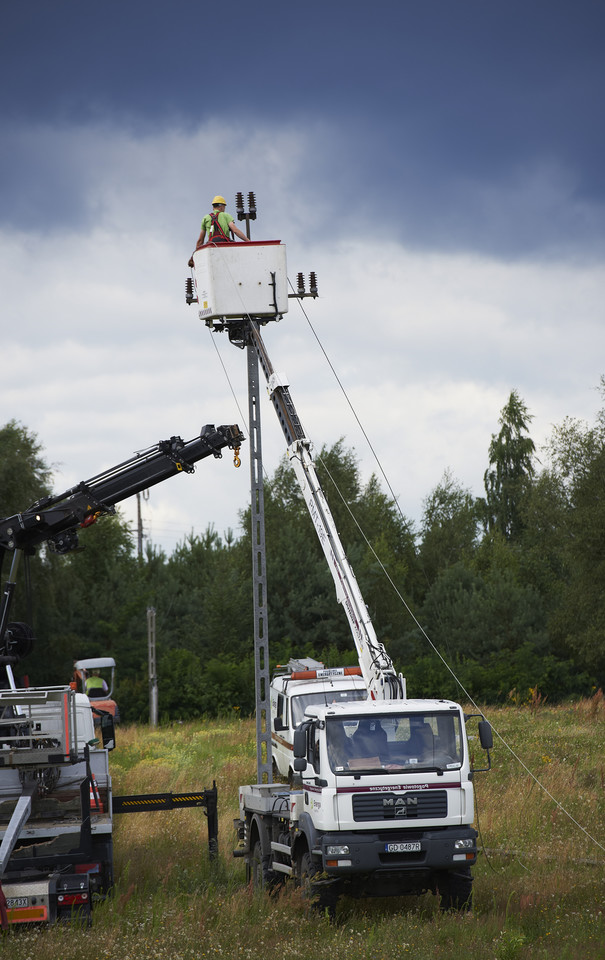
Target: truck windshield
(323,699)
(395,742)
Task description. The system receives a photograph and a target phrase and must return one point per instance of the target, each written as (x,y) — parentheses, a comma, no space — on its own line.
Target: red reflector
(70,899)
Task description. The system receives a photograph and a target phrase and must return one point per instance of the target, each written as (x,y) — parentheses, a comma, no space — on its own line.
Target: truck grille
(414,805)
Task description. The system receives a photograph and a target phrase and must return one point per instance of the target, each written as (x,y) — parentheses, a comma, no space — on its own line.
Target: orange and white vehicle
(300,684)
(100,694)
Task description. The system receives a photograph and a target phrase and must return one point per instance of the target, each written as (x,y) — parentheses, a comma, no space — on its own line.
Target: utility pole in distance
(153,679)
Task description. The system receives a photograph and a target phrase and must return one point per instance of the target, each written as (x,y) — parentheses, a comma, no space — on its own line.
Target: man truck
(384,799)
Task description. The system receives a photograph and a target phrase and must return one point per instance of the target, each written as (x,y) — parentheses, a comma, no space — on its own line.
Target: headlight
(338,850)
(464,844)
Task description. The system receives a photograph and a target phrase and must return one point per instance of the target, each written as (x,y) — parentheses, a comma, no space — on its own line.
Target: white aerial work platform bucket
(241,280)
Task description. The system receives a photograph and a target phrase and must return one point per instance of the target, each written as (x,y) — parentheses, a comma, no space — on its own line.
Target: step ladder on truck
(384,801)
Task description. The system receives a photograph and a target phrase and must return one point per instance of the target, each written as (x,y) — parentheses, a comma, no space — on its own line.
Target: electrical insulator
(189,298)
(313,283)
(252,205)
(300,280)
(239,204)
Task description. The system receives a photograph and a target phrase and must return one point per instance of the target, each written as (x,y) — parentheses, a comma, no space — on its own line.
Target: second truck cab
(301,684)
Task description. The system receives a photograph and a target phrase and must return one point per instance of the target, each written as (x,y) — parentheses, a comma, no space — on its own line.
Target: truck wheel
(305,873)
(322,897)
(456,889)
(259,873)
(256,867)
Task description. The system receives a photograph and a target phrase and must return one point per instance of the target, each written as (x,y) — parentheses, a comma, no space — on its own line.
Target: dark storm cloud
(475,125)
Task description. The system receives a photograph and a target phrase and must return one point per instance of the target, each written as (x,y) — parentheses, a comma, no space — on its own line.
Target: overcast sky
(438,164)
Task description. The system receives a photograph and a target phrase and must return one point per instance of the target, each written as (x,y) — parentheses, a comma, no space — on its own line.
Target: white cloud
(101,356)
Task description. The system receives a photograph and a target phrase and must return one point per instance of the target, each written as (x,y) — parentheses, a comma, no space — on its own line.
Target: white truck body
(56,807)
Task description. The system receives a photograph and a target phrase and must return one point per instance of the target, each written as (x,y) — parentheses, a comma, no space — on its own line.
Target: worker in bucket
(218,225)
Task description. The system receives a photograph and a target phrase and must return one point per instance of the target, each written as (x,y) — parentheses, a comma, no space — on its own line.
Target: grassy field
(539,884)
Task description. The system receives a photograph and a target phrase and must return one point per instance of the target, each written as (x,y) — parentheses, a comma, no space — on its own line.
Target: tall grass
(538,885)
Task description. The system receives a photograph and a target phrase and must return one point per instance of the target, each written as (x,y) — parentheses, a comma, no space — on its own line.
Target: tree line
(507,587)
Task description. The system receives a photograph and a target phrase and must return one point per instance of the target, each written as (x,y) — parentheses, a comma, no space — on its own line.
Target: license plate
(12,902)
(402,847)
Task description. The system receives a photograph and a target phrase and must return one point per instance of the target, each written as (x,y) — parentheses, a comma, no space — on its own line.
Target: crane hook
(236,460)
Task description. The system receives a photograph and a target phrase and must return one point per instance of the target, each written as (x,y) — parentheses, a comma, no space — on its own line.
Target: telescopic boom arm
(376,666)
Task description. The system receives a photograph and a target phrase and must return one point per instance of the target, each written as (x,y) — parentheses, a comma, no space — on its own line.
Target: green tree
(449,527)
(577,474)
(578,623)
(25,476)
(90,604)
(303,612)
(471,615)
(511,470)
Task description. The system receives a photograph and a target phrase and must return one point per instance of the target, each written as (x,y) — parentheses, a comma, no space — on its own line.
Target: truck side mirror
(300,764)
(486,737)
(278,724)
(108,733)
(299,742)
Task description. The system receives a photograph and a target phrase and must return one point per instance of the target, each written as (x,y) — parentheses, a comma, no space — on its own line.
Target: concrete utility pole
(153,680)
(145,495)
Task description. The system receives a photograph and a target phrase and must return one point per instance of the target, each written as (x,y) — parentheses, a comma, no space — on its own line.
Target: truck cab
(361,751)
(387,798)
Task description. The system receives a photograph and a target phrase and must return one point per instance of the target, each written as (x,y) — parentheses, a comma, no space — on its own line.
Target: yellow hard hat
(219,200)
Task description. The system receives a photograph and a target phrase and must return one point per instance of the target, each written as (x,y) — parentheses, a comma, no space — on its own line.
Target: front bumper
(368,852)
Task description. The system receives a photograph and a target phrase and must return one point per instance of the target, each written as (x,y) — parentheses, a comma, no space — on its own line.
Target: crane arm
(55,518)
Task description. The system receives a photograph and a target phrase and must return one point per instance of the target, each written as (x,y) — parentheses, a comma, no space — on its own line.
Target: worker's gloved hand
(190,262)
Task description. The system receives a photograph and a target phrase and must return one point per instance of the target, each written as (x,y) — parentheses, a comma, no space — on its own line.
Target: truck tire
(322,896)
(257,876)
(456,889)
(306,870)
(258,871)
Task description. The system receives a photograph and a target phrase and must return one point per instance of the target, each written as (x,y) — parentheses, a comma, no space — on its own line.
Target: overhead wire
(354,412)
